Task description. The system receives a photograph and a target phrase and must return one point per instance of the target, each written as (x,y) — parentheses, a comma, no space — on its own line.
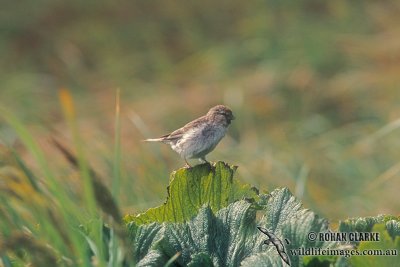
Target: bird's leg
(203,159)
(187,164)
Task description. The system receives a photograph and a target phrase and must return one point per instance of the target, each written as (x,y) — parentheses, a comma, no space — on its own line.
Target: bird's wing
(279,245)
(179,133)
(174,136)
(281,250)
(171,137)
(263,230)
(284,257)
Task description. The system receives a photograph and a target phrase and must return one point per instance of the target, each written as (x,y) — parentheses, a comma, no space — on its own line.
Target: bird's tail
(153,140)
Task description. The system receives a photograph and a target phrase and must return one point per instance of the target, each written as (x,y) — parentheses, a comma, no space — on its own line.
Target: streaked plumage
(199,137)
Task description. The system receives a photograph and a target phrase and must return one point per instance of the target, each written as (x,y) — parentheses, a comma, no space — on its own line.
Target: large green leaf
(386,244)
(388,228)
(285,217)
(229,237)
(366,224)
(191,188)
(210,219)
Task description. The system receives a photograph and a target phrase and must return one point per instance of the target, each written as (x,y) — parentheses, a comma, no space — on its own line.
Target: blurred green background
(315,87)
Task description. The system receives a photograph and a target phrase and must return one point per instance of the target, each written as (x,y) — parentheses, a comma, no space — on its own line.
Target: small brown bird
(199,137)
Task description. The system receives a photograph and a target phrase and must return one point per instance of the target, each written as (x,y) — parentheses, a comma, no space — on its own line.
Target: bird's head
(222,113)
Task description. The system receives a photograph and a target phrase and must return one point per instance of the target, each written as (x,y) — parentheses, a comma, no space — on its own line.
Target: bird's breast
(199,141)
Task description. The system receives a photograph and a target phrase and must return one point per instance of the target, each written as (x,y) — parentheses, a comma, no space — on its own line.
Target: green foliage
(209,218)
(224,236)
(43,223)
(388,228)
(227,235)
(190,189)
(310,82)
(386,243)
(322,261)
(366,224)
